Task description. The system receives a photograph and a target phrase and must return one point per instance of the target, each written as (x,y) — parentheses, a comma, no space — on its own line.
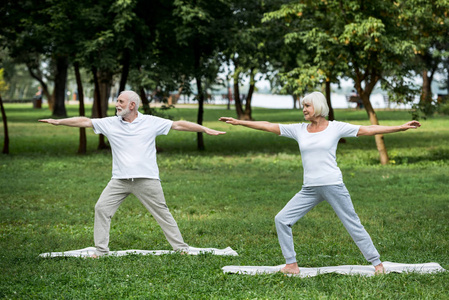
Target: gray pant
(150,194)
(338,197)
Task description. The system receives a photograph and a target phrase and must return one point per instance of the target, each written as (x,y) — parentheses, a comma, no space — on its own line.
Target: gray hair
(132,97)
(319,103)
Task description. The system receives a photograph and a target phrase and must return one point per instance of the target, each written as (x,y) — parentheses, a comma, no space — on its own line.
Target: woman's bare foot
(290,269)
(379,269)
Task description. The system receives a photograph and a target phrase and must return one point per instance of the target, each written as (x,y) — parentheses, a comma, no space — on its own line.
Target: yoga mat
(390,267)
(87,252)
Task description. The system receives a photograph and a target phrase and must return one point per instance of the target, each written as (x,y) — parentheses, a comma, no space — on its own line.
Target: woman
(323,179)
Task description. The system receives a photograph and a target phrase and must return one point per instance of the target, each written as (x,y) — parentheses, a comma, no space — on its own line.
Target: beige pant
(150,194)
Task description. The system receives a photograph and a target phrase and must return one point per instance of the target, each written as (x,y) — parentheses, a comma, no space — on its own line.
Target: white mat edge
(87,252)
(390,267)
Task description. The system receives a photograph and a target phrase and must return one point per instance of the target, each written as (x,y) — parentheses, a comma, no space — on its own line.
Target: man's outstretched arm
(189,126)
(72,122)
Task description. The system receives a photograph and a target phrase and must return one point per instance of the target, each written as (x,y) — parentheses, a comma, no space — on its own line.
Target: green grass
(227,195)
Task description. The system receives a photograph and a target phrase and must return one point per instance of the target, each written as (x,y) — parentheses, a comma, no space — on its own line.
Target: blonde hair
(318,102)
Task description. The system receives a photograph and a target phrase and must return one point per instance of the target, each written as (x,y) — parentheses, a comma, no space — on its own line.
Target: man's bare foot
(94,256)
(182,251)
(290,269)
(379,269)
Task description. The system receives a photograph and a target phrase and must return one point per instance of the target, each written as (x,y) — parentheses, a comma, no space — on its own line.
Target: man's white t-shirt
(133,144)
(318,150)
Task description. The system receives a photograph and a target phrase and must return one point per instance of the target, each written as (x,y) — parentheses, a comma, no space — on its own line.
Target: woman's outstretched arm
(378,129)
(259,125)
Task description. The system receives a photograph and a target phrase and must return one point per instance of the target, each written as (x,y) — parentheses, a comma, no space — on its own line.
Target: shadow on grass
(433,155)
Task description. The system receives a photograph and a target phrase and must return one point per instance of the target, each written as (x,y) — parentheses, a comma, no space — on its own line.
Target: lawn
(224,196)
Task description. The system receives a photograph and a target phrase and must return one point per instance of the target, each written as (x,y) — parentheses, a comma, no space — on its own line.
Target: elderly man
(134,168)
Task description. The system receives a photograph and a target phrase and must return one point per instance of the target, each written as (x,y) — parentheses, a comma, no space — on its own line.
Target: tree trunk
(50,98)
(328,100)
(125,71)
(104,80)
(198,64)
(82,149)
(247,114)
(228,107)
(294,100)
(97,103)
(379,138)
(178,95)
(200,140)
(248,110)
(145,102)
(364,95)
(5,128)
(447,79)
(238,102)
(62,66)
(426,93)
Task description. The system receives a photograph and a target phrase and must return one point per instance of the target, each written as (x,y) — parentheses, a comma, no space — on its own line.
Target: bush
(444,109)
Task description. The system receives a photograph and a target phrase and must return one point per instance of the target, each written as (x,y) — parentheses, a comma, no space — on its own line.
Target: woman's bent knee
(279,219)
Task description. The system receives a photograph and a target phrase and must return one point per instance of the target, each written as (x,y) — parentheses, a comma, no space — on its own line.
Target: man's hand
(72,122)
(50,121)
(193,127)
(212,131)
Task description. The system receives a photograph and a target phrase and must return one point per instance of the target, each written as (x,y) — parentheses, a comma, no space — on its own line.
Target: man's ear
(132,105)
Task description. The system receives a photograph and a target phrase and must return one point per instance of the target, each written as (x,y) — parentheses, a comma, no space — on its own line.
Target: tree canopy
(164,46)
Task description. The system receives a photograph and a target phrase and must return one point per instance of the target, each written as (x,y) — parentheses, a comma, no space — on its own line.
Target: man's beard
(123,112)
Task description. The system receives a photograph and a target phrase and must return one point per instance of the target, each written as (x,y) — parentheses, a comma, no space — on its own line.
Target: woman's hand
(229,120)
(411,125)
(259,125)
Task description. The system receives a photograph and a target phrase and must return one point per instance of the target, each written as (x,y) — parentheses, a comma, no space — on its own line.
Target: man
(134,168)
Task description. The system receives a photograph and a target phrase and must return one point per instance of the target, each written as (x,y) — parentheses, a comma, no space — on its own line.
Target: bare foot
(94,256)
(379,269)
(184,251)
(290,269)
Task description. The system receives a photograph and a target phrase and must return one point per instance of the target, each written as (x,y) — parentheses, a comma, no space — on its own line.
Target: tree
(200,28)
(24,39)
(83,141)
(20,84)
(4,87)
(369,37)
(285,60)
(427,21)
(309,26)
(37,29)
(158,66)
(250,48)
(107,48)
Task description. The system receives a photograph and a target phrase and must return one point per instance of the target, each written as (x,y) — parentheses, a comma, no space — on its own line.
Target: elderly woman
(323,180)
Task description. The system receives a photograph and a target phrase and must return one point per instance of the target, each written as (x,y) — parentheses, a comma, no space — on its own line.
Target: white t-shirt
(318,150)
(133,144)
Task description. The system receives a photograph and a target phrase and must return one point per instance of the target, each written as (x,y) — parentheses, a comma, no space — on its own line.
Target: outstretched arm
(189,126)
(377,129)
(259,125)
(72,122)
